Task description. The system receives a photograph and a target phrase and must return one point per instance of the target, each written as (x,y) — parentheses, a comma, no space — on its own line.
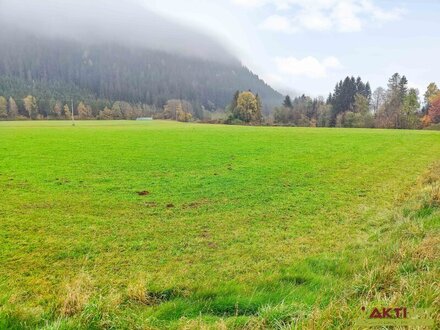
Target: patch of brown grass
(432,175)
(77,294)
(137,292)
(428,249)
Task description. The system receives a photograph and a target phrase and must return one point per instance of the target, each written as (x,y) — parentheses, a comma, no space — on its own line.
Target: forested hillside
(50,68)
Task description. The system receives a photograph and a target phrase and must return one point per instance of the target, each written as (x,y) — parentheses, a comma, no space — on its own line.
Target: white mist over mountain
(110,21)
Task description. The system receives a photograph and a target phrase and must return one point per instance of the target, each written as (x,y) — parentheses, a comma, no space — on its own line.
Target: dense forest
(54,70)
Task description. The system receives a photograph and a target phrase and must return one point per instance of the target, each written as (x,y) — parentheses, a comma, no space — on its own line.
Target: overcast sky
(308,45)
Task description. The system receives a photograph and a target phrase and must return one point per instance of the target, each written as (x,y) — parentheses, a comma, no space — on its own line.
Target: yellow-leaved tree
(248,108)
(30,104)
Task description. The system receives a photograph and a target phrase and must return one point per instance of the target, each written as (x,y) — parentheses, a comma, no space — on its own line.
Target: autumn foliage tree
(84,111)
(57,109)
(3,107)
(248,108)
(66,112)
(179,110)
(30,104)
(431,92)
(434,110)
(106,114)
(12,109)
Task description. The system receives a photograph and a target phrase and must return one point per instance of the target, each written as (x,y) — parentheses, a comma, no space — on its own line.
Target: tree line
(353,104)
(29,108)
(246,107)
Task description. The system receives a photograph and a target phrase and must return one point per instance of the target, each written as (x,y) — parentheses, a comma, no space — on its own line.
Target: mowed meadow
(139,225)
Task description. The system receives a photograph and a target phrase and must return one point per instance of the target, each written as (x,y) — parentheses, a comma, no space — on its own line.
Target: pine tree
(368,91)
(391,114)
(287,102)
(403,88)
(344,96)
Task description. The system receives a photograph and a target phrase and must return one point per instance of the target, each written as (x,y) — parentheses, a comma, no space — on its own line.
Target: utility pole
(73,117)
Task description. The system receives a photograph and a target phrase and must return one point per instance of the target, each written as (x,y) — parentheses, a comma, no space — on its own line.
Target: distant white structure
(144,118)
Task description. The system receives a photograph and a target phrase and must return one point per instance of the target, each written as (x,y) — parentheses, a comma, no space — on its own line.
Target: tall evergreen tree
(391,114)
(344,96)
(403,88)
(287,102)
(368,91)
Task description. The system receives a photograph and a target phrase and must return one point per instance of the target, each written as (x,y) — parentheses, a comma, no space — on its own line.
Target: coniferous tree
(403,88)
(391,115)
(368,93)
(62,70)
(343,97)
(287,102)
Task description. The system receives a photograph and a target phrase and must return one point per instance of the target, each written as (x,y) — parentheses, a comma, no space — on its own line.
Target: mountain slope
(119,73)
(98,61)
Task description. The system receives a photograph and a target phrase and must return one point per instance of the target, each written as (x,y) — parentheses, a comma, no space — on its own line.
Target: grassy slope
(239,220)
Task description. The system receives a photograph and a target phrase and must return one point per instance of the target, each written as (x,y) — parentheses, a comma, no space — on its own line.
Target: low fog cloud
(109,21)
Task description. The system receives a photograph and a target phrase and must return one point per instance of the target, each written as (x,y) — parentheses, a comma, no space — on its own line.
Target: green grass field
(138,225)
